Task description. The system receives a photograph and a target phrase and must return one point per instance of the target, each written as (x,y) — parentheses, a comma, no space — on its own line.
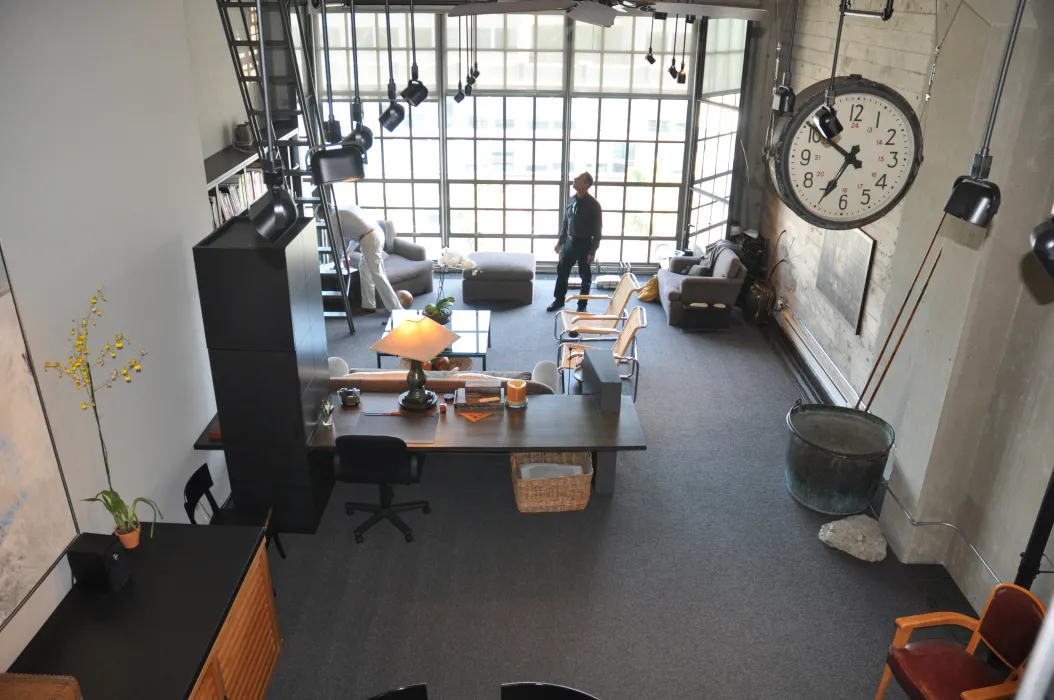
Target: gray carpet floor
(700,578)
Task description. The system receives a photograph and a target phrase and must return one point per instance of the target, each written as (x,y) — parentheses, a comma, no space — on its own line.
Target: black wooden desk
(151,639)
(549,423)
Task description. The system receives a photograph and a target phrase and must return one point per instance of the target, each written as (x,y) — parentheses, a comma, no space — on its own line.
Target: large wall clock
(860,175)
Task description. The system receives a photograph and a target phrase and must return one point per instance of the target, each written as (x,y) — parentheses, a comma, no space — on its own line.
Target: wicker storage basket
(16,686)
(552,495)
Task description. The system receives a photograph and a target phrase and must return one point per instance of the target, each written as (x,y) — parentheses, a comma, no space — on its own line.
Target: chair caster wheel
(426,510)
(358,539)
(409,538)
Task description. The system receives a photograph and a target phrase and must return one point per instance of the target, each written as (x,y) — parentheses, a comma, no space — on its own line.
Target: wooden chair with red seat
(940,669)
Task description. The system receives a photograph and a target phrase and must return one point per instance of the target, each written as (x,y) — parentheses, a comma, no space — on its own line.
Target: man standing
(358,225)
(579,240)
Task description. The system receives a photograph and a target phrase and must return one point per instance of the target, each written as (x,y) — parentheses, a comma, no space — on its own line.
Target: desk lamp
(418,340)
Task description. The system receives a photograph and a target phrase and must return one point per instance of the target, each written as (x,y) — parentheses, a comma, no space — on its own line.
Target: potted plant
(78,367)
(450,259)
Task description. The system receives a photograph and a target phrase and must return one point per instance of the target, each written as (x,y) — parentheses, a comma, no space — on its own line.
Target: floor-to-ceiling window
(505,142)
(489,172)
(717,130)
(403,167)
(628,128)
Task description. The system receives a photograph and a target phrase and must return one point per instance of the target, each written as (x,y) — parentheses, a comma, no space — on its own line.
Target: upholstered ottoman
(504,277)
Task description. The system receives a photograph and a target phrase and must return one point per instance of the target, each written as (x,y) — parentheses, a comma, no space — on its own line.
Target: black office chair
(381,460)
(410,692)
(541,691)
(199,485)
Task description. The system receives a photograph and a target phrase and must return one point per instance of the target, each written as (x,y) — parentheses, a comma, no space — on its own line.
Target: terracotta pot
(130,540)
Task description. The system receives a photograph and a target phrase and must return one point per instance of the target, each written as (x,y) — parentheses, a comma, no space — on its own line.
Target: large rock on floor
(857,535)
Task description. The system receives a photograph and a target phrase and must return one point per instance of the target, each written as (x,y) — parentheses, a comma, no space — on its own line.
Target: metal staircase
(289,41)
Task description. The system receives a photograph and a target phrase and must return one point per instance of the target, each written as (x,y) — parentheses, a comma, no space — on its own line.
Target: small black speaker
(99,562)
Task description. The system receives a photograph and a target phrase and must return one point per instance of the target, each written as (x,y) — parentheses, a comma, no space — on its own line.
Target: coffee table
(472,325)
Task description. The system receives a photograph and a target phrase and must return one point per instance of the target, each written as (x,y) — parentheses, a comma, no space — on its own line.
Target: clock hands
(850,159)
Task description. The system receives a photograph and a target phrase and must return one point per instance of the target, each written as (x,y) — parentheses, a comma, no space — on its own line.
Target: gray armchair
(407,265)
(682,285)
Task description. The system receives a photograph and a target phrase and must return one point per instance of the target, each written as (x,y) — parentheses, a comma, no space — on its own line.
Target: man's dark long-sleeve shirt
(581,223)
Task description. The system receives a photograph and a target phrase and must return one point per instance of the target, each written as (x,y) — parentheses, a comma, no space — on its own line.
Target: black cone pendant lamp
(273,213)
(460,96)
(361,135)
(395,113)
(650,58)
(672,70)
(415,92)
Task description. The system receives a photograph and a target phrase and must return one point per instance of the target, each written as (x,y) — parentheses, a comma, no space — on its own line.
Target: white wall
(216,94)
(104,187)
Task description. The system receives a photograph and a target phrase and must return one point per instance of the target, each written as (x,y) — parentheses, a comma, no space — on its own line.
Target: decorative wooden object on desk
(197,621)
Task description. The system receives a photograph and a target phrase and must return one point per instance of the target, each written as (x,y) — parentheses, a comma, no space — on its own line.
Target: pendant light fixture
(974,198)
(395,113)
(682,77)
(469,78)
(273,213)
(672,70)
(475,48)
(651,38)
(415,92)
(460,89)
(361,135)
(330,127)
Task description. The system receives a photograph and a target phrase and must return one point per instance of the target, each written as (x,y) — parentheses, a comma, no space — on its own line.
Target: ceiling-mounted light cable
(682,77)
(360,133)
(974,198)
(395,113)
(460,89)
(330,127)
(475,47)
(415,92)
(672,70)
(650,58)
(469,78)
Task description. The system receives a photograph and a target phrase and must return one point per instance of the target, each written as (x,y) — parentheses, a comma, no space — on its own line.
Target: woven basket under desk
(555,494)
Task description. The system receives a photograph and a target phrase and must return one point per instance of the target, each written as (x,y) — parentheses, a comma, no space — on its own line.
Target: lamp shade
(418,339)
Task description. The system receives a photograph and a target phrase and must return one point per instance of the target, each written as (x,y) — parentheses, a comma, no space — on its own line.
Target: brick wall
(898,53)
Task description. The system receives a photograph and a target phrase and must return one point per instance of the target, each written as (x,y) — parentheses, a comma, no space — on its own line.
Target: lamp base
(416,403)
(417,398)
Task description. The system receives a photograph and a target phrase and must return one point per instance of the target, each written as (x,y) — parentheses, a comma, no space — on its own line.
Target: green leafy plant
(440,308)
(124,515)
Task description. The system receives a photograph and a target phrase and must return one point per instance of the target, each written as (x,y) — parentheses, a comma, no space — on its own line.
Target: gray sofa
(407,265)
(682,285)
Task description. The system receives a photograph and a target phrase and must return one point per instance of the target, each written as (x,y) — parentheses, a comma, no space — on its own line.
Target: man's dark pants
(573,254)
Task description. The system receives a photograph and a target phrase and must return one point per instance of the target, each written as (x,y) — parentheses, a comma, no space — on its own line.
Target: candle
(516,392)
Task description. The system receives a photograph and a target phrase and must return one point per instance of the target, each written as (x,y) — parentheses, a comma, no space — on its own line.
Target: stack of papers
(549,470)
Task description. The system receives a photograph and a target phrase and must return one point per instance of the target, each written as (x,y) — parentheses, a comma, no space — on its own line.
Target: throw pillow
(699,271)
(389,234)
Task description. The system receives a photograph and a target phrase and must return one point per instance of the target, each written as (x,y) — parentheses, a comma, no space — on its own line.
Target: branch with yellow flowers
(78,366)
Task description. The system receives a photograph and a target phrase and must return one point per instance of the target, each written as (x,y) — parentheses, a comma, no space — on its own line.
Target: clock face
(865,171)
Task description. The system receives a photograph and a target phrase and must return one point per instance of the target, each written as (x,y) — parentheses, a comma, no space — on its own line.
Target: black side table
(705,317)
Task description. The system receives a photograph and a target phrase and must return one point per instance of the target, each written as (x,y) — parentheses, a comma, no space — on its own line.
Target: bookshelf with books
(233,181)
